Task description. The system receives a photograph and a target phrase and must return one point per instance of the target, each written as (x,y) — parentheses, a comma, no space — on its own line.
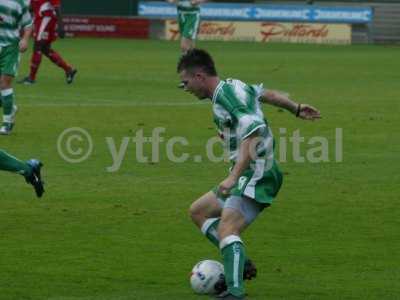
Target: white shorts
(249,208)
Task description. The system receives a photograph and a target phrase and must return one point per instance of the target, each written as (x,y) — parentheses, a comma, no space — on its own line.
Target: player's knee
(5,82)
(224,230)
(45,48)
(185,49)
(37,46)
(186,45)
(227,227)
(196,213)
(193,211)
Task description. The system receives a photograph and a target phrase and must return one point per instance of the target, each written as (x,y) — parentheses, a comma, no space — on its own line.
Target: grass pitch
(333,232)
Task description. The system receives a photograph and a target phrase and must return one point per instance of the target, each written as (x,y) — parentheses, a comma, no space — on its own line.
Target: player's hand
(23,45)
(307,112)
(171,1)
(61,33)
(224,188)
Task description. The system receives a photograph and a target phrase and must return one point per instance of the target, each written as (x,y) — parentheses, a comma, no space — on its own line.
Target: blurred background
(369,21)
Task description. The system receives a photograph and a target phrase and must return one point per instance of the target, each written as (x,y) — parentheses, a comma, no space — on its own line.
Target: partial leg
(189,29)
(56,58)
(186,44)
(205,213)
(36,60)
(237,214)
(12,164)
(30,170)
(9,108)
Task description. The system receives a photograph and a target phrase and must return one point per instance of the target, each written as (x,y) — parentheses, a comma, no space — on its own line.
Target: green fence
(100,7)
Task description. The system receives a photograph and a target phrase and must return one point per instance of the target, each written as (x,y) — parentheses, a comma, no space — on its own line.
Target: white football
(204,276)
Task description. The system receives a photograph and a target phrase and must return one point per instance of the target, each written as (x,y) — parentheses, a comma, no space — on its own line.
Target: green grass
(333,232)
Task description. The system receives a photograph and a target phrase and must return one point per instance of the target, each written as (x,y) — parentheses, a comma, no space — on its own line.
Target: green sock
(12,164)
(210,230)
(232,250)
(8,102)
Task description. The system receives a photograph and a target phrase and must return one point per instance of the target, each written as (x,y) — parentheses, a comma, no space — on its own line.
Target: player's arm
(172,1)
(246,150)
(26,29)
(303,111)
(25,35)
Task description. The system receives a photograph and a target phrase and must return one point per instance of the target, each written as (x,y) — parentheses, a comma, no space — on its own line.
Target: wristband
(298,110)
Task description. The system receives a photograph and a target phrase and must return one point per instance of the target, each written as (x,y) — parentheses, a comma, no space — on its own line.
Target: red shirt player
(47,27)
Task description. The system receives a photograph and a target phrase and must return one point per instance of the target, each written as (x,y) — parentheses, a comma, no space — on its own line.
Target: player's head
(195,67)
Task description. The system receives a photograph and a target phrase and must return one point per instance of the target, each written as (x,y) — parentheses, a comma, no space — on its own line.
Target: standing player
(48,25)
(189,21)
(30,170)
(254,179)
(14,19)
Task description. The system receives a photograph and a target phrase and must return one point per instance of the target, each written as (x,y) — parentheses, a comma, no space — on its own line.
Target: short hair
(197,58)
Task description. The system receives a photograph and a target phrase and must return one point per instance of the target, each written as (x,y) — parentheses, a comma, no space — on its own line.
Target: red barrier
(116,27)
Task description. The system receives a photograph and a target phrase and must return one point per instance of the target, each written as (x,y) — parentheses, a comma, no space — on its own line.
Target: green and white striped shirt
(14,16)
(237,114)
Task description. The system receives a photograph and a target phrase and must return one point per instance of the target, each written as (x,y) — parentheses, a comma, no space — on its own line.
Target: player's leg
(189,29)
(10,61)
(9,108)
(36,60)
(205,213)
(12,164)
(182,24)
(49,36)
(186,45)
(237,214)
(56,58)
(30,170)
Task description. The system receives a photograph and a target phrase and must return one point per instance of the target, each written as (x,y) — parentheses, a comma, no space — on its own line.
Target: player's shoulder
(234,82)
(245,89)
(231,93)
(231,84)
(55,3)
(235,88)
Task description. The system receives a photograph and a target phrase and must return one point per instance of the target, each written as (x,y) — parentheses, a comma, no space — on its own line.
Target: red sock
(57,59)
(35,63)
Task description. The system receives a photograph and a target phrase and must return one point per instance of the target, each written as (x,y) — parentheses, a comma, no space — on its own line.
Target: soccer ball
(205,275)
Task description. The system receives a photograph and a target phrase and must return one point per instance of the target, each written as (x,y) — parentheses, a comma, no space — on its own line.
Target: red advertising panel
(118,27)
(267,32)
